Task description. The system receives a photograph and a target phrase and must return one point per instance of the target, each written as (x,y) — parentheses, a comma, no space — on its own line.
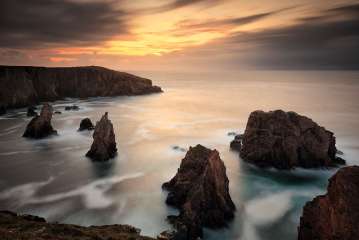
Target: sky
(181,35)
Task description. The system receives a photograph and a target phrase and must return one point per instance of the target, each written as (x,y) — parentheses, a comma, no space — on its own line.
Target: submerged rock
(17,227)
(286,140)
(200,191)
(31,111)
(86,124)
(40,125)
(335,215)
(178,148)
(72,108)
(104,143)
(2,110)
(57,112)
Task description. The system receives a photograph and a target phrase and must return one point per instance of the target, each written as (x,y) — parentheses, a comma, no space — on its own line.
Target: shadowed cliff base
(22,86)
(16,227)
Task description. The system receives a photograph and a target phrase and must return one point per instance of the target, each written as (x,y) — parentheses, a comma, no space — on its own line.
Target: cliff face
(23,86)
(334,215)
(16,227)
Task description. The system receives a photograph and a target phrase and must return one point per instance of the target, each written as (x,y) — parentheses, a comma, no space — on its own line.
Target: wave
(93,194)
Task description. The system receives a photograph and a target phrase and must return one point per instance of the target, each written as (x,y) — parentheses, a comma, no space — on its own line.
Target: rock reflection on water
(53,178)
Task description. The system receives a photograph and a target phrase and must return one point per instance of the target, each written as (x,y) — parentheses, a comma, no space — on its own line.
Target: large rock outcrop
(40,126)
(24,86)
(20,227)
(285,140)
(104,143)
(334,215)
(200,191)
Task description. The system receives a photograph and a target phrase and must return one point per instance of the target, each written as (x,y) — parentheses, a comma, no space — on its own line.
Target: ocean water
(52,177)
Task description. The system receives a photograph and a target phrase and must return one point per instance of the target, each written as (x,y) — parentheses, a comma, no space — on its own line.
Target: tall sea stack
(104,143)
(200,191)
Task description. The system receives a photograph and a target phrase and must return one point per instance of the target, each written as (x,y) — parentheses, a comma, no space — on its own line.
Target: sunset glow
(145,31)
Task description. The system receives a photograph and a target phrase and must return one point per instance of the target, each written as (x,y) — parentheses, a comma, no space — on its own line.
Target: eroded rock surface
(200,191)
(40,126)
(286,140)
(17,227)
(104,143)
(335,215)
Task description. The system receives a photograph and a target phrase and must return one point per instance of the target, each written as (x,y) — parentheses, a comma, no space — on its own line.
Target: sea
(53,178)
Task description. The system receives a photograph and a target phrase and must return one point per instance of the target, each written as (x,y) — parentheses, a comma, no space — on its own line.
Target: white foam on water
(249,232)
(93,194)
(22,193)
(264,210)
(143,132)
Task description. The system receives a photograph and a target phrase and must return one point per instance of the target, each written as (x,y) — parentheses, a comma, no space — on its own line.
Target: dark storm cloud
(39,23)
(329,40)
(229,21)
(173,5)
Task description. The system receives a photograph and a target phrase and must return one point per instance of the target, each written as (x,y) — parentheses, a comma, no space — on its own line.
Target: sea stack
(86,124)
(40,125)
(200,191)
(286,140)
(104,143)
(334,215)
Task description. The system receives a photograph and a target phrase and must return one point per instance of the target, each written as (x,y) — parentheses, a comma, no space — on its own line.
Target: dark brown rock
(40,125)
(23,85)
(86,124)
(335,215)
(285,140)
(236,144)
(104,143)
(31,111)
(2,110)
(17,227)
(72,108)
(200,191)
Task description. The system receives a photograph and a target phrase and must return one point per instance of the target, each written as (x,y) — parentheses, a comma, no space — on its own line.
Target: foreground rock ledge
(285,140)
(40,126)
(334,215)
(104,143)
(16,227)
(200,191)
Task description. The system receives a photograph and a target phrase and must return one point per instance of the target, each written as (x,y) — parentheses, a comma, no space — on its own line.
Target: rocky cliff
(334,215)
(23,86)
(286,140)
(200,190)
(16,227)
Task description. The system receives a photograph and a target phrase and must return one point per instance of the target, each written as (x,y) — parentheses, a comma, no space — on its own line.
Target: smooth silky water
(52,177)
